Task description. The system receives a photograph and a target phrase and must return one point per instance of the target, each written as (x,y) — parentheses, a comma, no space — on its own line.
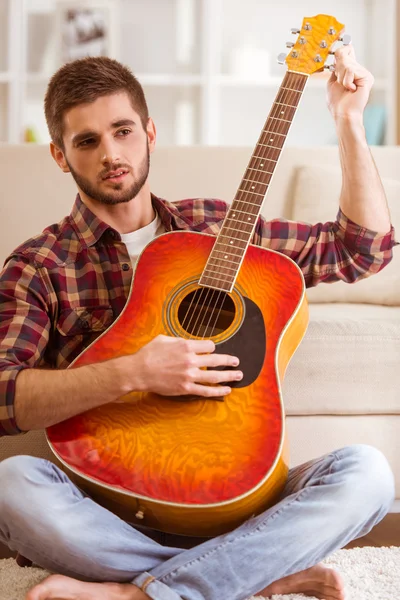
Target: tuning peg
(281,58)
(295,31)
(289,44)
(330,68)
(346,39)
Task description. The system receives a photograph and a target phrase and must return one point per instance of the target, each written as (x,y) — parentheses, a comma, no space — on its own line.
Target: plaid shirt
(62,288)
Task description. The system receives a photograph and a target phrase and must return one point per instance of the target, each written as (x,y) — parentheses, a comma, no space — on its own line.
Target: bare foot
(318,581)
(58,587)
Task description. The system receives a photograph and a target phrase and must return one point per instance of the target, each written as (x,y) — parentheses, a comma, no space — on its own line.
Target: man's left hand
(349,86)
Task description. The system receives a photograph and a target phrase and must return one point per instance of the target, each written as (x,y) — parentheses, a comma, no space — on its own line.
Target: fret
(237,230)
(270,160)
(228,276)
(240,210)
(232,239)
(263,157)
(239,221)
(288,105)
(225,254)
(260,171)
(251,192)
(291,90)
(224,289)
(254,185)
(278,119)
(274,132)
(236,247)
(252,180)
(221,267)
(271,149)
(247,202)
(211,275)
(210,270)
(232,245)
(267,145)
(280,127)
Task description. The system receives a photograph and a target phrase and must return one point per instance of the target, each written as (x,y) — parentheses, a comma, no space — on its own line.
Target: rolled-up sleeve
(328,252)
(24,331)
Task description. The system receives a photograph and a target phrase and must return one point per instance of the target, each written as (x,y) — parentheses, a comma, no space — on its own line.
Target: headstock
(314,44)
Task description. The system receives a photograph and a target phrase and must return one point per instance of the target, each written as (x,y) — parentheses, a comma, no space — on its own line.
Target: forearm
(362,198)
(45,397)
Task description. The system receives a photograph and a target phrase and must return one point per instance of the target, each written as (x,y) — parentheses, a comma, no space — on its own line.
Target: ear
(151,134)
(59,157)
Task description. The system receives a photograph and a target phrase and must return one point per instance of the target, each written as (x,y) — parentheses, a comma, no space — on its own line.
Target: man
(101,133)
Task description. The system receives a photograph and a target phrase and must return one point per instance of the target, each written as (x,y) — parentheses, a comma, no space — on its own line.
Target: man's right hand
(173,366)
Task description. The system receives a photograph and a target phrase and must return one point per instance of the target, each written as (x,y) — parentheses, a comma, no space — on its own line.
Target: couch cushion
(310,437)
(316,199)
(351,357)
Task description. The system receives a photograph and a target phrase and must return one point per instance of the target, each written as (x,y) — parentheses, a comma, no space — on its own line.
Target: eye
(124,132)
(86,142)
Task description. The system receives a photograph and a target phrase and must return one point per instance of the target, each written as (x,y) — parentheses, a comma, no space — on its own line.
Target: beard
(117,195)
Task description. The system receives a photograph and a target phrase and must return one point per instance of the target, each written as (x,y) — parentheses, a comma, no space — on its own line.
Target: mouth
(116,176)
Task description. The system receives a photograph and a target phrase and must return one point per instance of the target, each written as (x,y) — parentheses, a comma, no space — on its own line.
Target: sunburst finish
(164,457)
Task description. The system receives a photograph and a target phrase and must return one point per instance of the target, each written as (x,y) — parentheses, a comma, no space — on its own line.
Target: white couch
(343,384)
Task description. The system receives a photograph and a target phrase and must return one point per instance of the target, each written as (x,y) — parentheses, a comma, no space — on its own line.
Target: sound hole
(206,312)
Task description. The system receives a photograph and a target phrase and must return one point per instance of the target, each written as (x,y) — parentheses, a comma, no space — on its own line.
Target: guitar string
(203,303)
(190,313)
(284,96)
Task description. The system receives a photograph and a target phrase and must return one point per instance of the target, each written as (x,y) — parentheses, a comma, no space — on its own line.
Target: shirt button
(125,267)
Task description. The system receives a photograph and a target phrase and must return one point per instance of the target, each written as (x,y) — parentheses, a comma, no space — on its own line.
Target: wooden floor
(386,533)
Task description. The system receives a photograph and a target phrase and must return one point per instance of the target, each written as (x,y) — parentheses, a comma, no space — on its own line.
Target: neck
(127,216)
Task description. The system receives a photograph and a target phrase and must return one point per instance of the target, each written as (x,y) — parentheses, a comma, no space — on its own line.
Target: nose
(109,152)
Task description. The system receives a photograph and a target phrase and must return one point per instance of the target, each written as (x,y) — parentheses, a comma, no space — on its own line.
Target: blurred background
(208,67)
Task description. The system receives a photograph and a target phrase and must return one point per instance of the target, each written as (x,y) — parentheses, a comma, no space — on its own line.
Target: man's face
(107,150)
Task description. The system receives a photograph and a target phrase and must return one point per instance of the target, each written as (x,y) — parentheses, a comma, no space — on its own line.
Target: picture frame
(86,28)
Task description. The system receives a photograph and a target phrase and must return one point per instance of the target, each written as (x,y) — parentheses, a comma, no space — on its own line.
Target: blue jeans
(326,503)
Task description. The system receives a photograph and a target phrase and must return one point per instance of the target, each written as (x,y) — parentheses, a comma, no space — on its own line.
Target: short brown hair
(85,80)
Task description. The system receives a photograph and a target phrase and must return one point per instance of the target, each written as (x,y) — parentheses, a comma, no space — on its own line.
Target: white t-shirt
(137,240)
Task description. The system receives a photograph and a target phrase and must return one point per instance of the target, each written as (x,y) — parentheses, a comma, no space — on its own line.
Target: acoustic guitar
(202,467)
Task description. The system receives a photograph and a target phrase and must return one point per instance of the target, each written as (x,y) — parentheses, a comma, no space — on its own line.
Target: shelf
(167,79)
(271,81)
(315,81)
(162,79)
(6,77)
(202,75)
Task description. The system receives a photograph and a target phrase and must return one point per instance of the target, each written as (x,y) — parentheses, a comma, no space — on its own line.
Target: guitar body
(193,466)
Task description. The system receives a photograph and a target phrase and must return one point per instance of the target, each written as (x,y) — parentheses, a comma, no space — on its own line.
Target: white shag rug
(369,574)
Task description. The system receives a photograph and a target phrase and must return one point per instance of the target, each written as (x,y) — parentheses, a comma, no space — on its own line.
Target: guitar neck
(237,230)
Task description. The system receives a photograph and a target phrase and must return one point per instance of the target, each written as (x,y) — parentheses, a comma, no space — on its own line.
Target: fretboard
(237,230)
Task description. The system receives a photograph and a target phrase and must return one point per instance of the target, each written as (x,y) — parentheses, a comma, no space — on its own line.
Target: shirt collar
(90,228)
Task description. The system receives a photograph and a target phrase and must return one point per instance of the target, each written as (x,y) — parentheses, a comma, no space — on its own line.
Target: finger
(200,346)
(217,376)
(345,52)
(338,74)
(217,360)
(208,391)
(332,78)
(348,79)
